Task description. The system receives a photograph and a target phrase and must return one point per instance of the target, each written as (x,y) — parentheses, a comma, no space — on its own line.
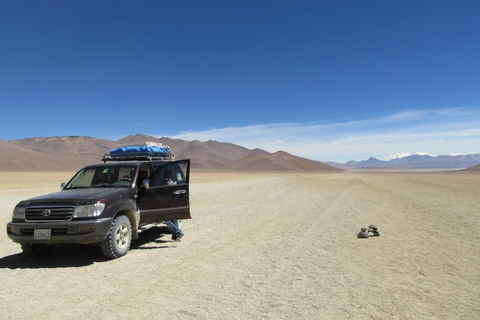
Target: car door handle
(179,191)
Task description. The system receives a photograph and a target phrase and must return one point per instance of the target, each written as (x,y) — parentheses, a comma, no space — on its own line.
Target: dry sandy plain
(268,246)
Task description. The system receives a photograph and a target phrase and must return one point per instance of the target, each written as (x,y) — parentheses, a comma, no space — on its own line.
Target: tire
(119,238)
(36,249)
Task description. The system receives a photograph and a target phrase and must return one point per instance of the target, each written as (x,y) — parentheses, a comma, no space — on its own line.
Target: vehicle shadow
(77,255)
(157,235)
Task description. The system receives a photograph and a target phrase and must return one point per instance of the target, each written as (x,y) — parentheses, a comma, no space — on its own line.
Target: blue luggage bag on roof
(141,151)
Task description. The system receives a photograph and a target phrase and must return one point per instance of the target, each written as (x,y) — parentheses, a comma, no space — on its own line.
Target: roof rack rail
(108,157)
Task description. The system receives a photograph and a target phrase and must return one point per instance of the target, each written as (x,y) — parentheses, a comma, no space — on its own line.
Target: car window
(108,176)
(83,179)
(170,175)
(144,173)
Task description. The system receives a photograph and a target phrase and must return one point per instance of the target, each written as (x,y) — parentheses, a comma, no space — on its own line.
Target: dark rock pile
(372,231)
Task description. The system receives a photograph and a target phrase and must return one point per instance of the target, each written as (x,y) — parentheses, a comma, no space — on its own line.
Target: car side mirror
(145,184)
(62,185)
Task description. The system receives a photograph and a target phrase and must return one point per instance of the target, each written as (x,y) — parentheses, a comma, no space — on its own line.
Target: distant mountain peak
(414,162)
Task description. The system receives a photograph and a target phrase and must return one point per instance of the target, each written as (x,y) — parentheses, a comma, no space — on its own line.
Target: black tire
(119,238)
(36,249)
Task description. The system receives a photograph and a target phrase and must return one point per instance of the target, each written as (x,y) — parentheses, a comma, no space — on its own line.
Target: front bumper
(86,231)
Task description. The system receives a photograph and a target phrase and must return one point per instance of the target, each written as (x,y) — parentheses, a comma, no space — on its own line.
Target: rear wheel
(119,238)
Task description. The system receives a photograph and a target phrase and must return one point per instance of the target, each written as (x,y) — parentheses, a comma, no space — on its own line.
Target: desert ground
(267,246)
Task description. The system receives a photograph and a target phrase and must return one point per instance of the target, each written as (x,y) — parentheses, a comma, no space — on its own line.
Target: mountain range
(414,162)
(70,153)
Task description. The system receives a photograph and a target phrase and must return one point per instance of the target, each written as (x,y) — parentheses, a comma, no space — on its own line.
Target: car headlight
(18,213)
(89,210)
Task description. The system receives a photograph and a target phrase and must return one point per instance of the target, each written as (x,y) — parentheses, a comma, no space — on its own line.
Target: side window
(144,173)
(171,175)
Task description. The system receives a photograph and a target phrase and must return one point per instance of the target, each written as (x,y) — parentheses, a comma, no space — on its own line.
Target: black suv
(108,203)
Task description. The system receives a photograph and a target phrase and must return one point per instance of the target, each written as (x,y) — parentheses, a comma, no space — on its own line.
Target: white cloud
(425,154)
(461,154)
(396,156)
(277,142)
(433,132)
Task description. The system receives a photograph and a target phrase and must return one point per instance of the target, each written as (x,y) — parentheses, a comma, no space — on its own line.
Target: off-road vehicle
(108,203)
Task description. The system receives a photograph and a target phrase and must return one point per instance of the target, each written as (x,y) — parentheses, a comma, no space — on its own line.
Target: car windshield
(103,177)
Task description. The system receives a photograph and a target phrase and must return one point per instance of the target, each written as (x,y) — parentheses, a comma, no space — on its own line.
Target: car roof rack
(108,157)
(140,151)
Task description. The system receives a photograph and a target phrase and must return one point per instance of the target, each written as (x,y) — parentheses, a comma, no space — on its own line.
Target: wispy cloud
(445,131)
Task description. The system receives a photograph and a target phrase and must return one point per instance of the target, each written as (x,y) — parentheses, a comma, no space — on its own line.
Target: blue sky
(327,80)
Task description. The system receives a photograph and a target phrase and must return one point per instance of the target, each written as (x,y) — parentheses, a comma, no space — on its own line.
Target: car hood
(77,196)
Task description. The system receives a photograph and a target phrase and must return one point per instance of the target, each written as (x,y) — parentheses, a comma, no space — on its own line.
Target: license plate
(42,234)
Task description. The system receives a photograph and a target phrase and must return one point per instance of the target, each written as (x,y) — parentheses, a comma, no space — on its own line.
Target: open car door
(167,196)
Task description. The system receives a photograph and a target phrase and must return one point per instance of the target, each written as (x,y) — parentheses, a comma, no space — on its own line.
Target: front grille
(49,213)
(58,231)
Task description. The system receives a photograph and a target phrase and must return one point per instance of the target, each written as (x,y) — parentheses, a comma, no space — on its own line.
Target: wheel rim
(122,236)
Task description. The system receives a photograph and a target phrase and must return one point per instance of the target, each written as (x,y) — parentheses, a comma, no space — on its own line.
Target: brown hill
(474,168)
(55,153)
(18,158)
(69,146)
(212,154)
(69,153)
(204,155)
(279,161)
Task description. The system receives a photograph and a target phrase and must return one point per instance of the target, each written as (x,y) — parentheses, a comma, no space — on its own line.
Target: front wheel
(119,238)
